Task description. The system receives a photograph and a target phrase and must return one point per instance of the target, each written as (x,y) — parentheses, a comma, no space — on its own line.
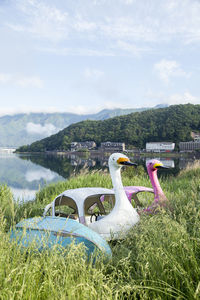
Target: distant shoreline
(94,153)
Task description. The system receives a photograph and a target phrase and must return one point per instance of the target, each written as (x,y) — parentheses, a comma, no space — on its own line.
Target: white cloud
(76,109)
(17,27)
(153,99)
(4,78)
(39,174)
(76,52)
(127,29)
(128,2)
(47,21)
(28,109)
(30,82)
(22,81)
(80,109)
(161,20)
(81,24)
(131,48)
(42,20)
(113,105)
(183,99)
(93,73)
(167,69)
(47,129)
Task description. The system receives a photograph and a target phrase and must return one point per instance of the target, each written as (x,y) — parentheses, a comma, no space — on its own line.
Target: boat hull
(45,233)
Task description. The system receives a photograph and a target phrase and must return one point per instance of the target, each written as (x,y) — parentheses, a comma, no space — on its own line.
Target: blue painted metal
(45,232)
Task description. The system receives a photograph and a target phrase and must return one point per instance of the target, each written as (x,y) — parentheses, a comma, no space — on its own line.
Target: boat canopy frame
(81,200)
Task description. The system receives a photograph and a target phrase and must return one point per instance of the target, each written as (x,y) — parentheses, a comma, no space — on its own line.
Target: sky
(82,56)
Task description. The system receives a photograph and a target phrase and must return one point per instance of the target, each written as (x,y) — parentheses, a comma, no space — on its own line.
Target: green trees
(172,124)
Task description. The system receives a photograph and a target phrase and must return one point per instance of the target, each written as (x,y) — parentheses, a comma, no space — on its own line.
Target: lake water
(26,174)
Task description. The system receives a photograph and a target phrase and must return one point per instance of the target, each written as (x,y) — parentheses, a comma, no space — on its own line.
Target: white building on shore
(112,146)
(7,150)
(189,146)
(160,147)
(88,145)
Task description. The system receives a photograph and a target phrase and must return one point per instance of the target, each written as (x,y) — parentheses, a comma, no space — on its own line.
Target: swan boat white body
(82,201)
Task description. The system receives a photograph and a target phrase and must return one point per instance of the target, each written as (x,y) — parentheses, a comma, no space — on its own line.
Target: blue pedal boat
(45,232)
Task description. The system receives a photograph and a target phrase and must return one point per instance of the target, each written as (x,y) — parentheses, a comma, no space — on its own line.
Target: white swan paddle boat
(84,201)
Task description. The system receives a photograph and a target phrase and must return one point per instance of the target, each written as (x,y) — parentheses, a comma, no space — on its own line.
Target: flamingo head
(154,164)
(118,160)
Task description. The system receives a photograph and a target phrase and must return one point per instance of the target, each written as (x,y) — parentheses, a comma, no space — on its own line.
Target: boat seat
(65,215)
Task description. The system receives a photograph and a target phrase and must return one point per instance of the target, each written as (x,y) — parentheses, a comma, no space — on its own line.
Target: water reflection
(25,174)
(65,165)
(23,194)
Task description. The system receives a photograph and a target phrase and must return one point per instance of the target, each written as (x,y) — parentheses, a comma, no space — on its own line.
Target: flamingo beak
(125,162)
(159,166)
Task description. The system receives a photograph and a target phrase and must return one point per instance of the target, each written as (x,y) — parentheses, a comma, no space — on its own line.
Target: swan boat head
(118,160)
(160,199)
(131,191)
(154,164)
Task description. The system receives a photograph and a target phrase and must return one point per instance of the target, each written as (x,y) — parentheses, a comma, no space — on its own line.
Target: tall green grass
(159,259)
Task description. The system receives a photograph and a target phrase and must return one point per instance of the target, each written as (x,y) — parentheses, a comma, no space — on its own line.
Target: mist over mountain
(26,128)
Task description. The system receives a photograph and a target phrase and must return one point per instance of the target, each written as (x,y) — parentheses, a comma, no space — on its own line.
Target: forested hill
(173,123)
(26,128)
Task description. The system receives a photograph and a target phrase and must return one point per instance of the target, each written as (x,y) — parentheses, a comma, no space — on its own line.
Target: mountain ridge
(26,128)
(172,124)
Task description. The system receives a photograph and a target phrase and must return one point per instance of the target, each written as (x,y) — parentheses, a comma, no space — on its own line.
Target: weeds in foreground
(159,259)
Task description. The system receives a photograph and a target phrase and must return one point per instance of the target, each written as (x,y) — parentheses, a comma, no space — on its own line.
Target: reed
(159,259)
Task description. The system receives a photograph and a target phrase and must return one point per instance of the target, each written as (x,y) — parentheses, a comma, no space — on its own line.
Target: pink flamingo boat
(159,197)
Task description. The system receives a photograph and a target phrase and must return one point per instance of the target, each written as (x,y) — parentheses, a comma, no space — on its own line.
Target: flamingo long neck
(158,192)
(121,200)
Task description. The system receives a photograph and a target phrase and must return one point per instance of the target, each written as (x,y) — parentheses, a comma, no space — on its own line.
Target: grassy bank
(159,259)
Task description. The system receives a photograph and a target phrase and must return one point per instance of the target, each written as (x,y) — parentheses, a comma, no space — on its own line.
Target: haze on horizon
(84,56)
